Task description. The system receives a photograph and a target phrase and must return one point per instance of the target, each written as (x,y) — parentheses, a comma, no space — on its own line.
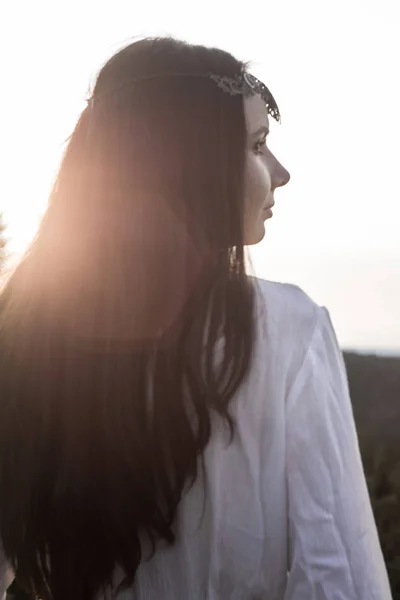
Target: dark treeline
(375,391)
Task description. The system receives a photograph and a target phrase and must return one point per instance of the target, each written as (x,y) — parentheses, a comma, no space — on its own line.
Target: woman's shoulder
(286,304)
(287,318)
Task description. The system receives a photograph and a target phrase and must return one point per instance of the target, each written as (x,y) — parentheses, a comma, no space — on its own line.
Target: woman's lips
(268,212)
(269,206)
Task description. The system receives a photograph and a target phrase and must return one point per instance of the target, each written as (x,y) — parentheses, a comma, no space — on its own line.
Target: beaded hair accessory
(248,85)
(244,84)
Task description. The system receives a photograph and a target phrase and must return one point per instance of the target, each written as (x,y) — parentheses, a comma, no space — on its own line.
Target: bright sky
(333,68)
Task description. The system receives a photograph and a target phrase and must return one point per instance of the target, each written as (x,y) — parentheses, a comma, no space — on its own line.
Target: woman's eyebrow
(262,129)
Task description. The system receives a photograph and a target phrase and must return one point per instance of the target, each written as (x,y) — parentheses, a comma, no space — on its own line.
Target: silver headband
(248,85)
(245,84)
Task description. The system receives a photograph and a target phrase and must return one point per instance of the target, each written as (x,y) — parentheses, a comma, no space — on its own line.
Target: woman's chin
(257,236)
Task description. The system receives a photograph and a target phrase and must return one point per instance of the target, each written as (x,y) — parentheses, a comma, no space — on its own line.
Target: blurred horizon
(330,67)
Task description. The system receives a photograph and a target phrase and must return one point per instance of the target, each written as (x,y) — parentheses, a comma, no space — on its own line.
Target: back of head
(109,323)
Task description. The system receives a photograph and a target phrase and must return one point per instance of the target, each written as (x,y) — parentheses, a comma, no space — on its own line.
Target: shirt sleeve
(334,550)
(6,574)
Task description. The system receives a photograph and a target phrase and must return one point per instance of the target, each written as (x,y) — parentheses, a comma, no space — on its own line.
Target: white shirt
(287,513)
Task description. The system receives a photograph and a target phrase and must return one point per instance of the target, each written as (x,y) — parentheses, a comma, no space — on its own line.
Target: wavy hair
(109,324)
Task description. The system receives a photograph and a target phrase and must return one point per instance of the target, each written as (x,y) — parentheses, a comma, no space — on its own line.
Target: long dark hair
(108,325)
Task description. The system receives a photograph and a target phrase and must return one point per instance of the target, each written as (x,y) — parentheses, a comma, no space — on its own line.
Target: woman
(171,427)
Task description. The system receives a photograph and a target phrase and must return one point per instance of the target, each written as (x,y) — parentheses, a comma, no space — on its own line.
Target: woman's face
(264,172)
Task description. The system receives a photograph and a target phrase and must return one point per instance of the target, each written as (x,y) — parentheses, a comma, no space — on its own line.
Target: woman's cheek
(264,181)
(258,183)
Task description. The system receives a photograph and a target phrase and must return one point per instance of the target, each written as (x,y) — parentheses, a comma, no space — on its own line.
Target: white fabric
(6,575)
(287,513)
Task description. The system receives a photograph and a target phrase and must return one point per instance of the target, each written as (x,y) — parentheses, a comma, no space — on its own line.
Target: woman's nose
(282,176)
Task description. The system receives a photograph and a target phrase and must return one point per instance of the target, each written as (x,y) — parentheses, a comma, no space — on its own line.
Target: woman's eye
(258,148)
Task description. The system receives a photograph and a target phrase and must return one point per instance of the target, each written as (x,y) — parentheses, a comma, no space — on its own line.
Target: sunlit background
(333,68)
